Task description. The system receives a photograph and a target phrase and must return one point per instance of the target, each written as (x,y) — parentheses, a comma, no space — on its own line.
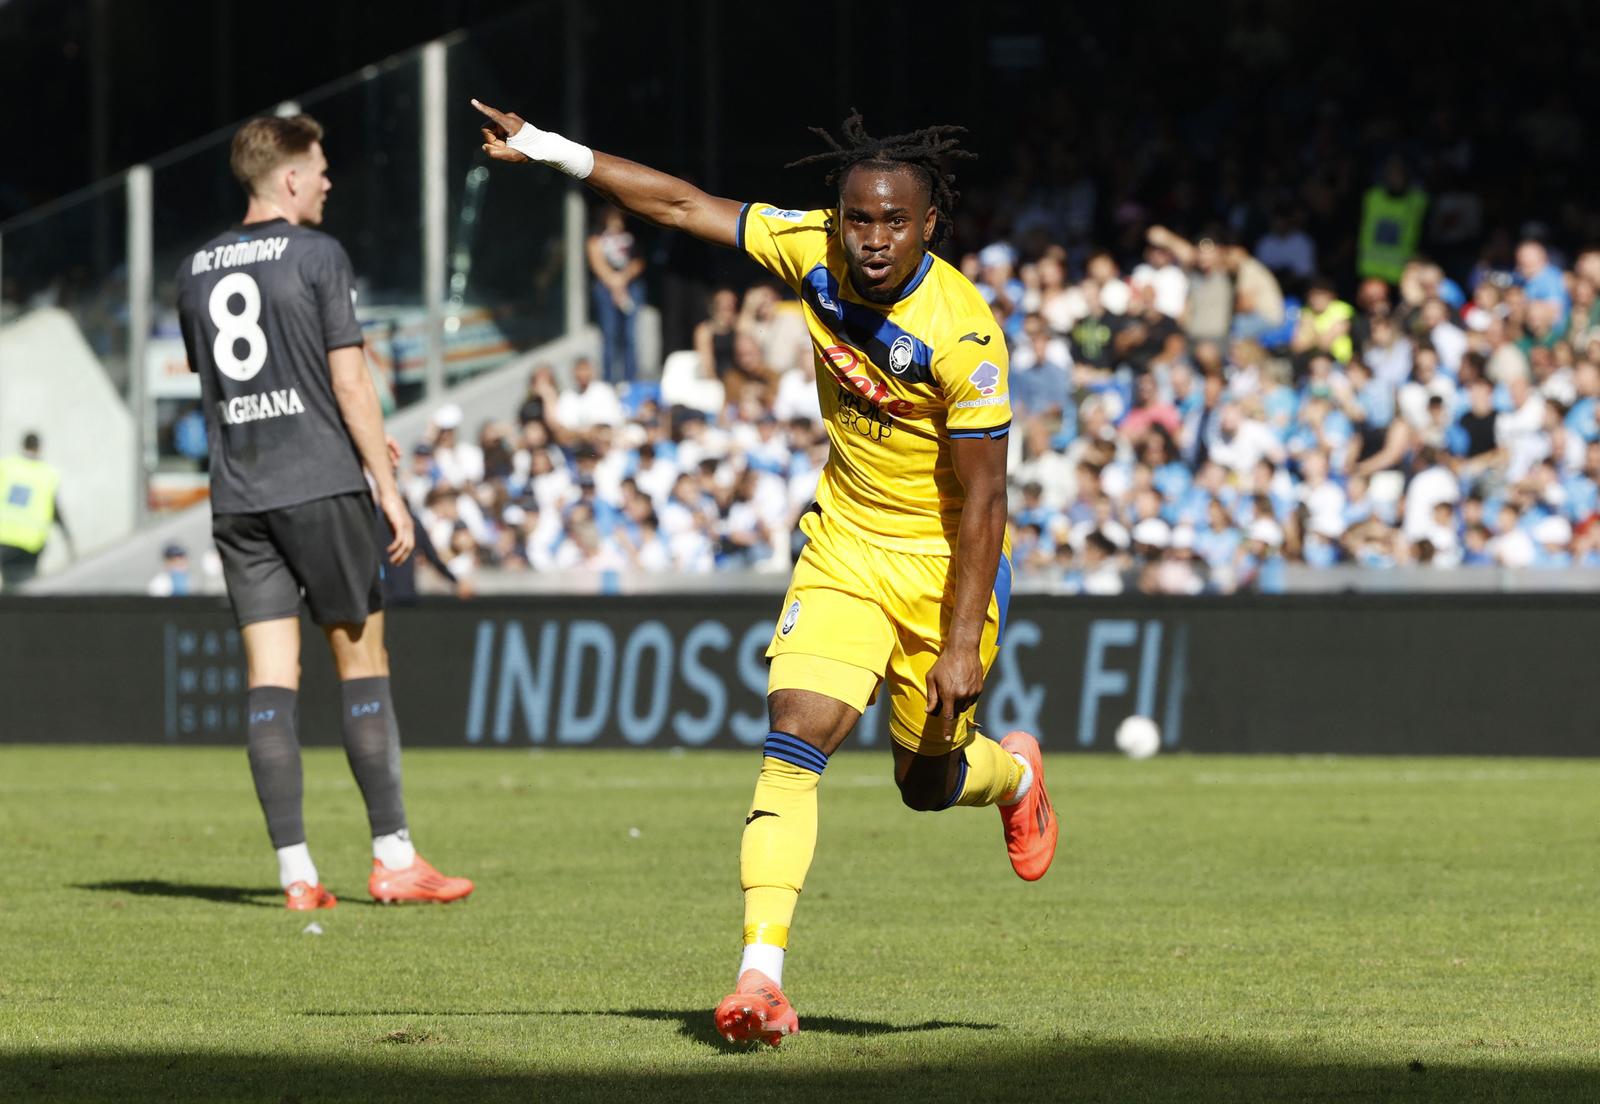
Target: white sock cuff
(1027,780)
(549,148)
(394,850)
(764,957)
(295,865)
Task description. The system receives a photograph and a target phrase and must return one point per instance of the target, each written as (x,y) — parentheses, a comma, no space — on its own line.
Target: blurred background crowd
(1307,320)
(1196,416)
(1282,292)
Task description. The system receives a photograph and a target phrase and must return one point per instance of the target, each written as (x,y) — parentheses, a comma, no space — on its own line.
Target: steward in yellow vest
(29,506)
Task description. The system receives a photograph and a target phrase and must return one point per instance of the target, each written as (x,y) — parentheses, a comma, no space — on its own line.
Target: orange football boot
(303,897)
(417,882)
(1030,824)
(756,1011)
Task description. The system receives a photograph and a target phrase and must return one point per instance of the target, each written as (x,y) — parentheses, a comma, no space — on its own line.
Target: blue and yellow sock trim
(790,749)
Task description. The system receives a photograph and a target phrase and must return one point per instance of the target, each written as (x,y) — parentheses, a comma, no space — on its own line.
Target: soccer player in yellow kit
(904,582)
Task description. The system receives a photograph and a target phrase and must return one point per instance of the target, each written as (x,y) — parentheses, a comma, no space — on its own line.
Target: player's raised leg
(372,746)
(942,758)
(272,657)
(1008,775)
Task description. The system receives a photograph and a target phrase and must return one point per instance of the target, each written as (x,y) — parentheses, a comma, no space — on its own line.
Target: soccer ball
(1138,737)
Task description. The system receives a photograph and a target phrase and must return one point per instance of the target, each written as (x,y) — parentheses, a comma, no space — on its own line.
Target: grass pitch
(1214,929)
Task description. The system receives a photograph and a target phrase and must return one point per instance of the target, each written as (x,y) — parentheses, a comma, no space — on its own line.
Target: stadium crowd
(1195,421)
(1301,319)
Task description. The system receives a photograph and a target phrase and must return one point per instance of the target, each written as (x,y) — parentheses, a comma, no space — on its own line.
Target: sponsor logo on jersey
(989,400)
(238,253)
(900,355)
(786,216)
(985,377)
(259,405)
(858,386)
(790,618)
(975,339)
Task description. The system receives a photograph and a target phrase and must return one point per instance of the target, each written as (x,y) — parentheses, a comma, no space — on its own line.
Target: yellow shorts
(884,614)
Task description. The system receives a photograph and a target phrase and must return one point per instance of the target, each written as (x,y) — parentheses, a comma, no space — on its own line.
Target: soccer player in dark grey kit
(269,322)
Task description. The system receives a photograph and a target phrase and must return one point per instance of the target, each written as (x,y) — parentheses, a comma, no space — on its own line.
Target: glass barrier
(373,137)
(74,257)
(507,275)
(64,372)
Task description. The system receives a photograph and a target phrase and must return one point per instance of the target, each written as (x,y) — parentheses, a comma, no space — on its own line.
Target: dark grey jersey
(260,306)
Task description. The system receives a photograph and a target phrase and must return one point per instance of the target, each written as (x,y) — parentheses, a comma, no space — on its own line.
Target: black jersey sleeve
(334,280)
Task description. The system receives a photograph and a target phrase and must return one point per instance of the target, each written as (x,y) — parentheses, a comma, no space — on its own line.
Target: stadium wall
(1356,674)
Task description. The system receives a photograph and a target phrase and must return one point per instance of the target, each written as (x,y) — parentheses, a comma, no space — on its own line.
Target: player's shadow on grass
(266,897)
(270,897)
(695,1023)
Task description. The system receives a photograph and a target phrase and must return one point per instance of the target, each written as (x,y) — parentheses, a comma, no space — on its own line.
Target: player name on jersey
(260,404)
(238,253)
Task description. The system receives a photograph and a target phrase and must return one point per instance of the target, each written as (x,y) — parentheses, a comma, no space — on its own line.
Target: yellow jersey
(897,382)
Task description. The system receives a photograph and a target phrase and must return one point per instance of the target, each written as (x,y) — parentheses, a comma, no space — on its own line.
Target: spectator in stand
(1324,324)
(618,292)
(797,397)
(1436,327)
(1427,384)
(1162,273)
(998,284)
(1287,249)
(1102,272)
(1149,409)
(1257,297)
(1041,374)
(1239,442)
(1261,564)
(1543,285)
(542,398)
(1432,484)
(588,403)
(1091,336)
(1520,427)
(749,377)
(175,578)
(779,329)
(713,338)
(1388,353)
(1391,223)
(1053,298)
(459,463)
(1145,331)
(1208,308)
(1371,303)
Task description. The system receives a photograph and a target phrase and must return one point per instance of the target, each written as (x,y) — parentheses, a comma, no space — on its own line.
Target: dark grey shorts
(325,549)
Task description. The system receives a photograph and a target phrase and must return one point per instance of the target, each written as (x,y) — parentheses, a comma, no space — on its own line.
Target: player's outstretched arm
(363,416)
(654,196)
(956,678)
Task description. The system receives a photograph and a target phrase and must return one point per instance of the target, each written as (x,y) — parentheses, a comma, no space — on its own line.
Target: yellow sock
(780,837)
(993,773)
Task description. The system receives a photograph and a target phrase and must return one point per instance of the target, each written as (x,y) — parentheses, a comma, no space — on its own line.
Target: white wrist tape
(552,149)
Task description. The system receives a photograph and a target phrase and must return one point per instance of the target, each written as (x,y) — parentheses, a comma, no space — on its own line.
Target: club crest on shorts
(789,618)
(900,355)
